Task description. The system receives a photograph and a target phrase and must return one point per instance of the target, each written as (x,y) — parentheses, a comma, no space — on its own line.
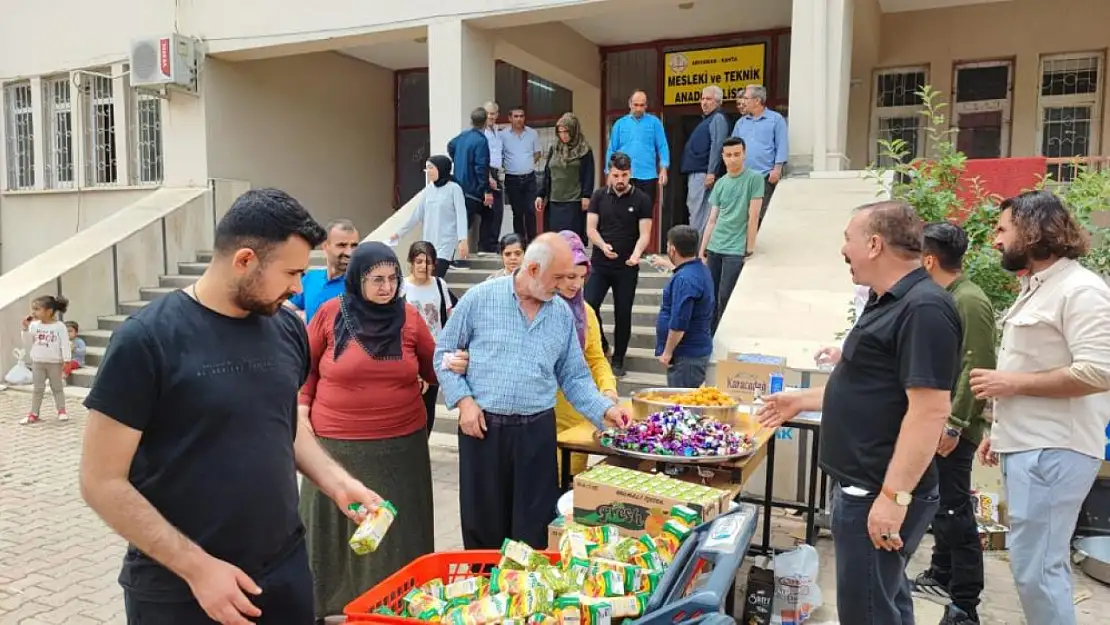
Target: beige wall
(319,126)
(1022,30)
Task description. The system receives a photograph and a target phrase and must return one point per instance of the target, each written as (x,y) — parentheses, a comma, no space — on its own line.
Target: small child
(49,350)
(77,347)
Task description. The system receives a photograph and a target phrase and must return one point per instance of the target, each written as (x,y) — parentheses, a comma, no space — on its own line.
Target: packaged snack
(490,609)
(600,613)
(687,515)
(384,610)
(423,606)
(604,583)
(540,619)
(507,580)
(552,578)
(628,605)
(434,588)
(373,528)
(538,559)
(518,552)
(537,600)
(627,548)
(572,545)
(568,611)
(461,602)
(466,588)
(506,563)
(649,581)
(676,528)
(575,573)
(459,616)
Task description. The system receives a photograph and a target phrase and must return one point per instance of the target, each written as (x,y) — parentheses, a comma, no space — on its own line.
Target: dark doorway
(679,123)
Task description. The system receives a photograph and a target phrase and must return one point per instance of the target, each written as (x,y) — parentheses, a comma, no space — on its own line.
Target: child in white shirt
(49,349)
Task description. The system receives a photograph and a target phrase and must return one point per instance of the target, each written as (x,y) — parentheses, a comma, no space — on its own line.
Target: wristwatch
(900,497)
(953,432)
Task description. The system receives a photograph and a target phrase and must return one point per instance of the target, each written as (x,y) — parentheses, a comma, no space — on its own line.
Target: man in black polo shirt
(884,408)
(619,226)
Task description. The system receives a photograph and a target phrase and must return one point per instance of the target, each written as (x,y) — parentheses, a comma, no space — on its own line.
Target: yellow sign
(732,69)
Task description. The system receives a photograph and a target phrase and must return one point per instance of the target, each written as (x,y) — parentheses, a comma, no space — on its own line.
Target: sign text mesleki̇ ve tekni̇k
(732,69)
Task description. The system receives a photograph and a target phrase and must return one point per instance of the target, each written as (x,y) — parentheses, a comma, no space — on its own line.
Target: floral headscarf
(576,146)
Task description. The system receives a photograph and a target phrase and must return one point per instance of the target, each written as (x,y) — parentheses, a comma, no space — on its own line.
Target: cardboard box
(555,532)
(632,510)
(743,375)
(992,536)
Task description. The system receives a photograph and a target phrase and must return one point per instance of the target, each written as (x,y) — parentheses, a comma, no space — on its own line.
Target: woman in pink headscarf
(589,337)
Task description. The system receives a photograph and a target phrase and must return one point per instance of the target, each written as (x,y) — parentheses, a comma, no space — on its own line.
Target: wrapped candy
(678,432)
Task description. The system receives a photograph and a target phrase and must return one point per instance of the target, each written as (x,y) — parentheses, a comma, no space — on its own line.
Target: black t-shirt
(216,400)
(908,338)
(618,222)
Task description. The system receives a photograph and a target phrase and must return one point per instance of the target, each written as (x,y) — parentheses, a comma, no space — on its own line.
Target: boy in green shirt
(729,235)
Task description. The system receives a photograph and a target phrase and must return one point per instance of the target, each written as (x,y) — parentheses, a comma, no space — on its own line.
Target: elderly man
(489,233)
(885,406)
(764,132)
(1051,401)
(701,159)
(641,136)
(523,347)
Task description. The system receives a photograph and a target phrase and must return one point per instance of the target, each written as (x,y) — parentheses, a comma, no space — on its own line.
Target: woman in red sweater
(369,352)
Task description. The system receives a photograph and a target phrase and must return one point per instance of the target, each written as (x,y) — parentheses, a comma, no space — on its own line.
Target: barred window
(58,121)
(101,160)
(146,149)
(19,119)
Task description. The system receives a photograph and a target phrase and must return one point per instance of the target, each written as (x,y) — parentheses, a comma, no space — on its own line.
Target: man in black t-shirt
(884,408)
(619,226)
(193,443)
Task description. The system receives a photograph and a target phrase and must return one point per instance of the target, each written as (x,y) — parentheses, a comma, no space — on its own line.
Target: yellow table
(581,439)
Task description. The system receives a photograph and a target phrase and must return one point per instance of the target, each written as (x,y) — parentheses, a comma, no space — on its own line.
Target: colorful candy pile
(601,577)
(678,432)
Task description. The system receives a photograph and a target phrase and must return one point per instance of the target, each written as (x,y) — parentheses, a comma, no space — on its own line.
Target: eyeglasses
(380,281)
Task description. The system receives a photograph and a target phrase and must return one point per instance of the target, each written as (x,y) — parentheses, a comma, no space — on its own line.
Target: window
(58,122)
(896,111)
(147,147)
(20,134)
(1069,112)
(981,114)
(101,160)
(546,101)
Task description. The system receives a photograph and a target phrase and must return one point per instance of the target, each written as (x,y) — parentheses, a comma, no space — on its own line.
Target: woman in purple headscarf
(589,337)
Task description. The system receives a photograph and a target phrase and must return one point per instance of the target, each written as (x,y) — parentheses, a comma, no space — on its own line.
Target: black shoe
(618,369)
(956,616)
(925,586)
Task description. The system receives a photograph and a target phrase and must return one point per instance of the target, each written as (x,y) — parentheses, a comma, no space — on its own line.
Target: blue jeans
(1045,489)
(871,584)
(687,371)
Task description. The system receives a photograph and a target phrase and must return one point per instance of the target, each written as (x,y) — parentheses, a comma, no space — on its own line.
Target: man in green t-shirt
(729,236)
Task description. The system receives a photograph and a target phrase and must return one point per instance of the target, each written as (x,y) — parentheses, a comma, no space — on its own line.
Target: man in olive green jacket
(955,576)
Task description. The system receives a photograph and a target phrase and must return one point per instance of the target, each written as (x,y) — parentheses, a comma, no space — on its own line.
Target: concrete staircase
(643,369)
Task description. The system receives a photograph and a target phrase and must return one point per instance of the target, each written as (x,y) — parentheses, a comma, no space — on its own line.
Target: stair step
(83,377)
(94,355)
(191,269)
(178,281)
(642,336)
(96,338)
(108,323)
(151,293)
(130,308)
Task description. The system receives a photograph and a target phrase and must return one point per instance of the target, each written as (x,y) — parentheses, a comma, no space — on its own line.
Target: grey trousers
(697,201)
(40,373)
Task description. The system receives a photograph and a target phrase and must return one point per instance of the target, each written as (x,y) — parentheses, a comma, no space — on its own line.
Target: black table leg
(811,498)
(768,496)
(565,477)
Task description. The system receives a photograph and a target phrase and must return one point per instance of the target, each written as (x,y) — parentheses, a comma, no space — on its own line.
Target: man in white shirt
(1051,401)
(489,232)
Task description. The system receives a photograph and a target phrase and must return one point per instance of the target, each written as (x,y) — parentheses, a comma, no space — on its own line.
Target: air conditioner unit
(164,61)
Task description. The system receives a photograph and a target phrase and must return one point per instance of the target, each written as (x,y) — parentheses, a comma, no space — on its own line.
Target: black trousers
(651,187)
(768,191)
(489,232)
(561,216)
(520,191)
(475,211)
(508,481)
(430,397)
(622,281)
(286,599)
(957,554)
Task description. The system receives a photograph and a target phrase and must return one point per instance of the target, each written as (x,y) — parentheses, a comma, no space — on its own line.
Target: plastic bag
(20,374)
(797,594)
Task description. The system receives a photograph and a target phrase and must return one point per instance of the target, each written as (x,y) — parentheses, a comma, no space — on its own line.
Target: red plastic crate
(448,566)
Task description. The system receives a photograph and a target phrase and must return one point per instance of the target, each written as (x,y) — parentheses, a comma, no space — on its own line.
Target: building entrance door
(679,122)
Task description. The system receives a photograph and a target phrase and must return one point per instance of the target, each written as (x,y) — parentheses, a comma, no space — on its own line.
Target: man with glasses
(764,132)
(520,154)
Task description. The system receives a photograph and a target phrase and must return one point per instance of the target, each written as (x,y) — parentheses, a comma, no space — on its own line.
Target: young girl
(49,349)
(430,296)
(512,255)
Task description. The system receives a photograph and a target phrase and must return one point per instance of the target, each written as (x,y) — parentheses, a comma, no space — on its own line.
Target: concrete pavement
(58,561)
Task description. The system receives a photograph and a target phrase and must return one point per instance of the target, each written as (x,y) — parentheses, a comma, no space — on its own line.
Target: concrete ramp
(795,292)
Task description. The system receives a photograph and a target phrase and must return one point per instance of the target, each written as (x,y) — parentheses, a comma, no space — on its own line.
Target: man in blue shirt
(764,133)
(521,151)
(683,335)
(319,285)
(470,153)
(640,135)
(523,347)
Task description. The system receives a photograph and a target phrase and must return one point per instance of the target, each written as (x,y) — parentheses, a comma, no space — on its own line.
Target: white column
(460,78)
(820,70)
